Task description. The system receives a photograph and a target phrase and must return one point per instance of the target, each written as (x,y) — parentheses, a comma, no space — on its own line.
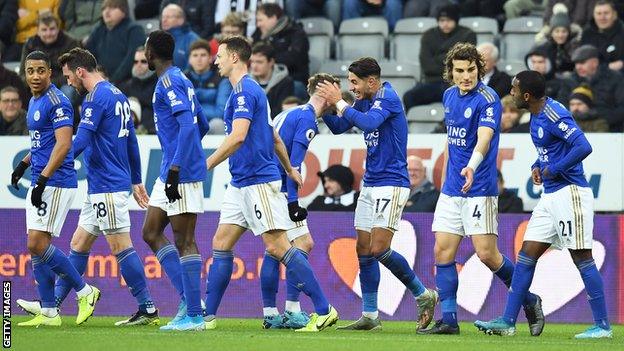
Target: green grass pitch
(98,333)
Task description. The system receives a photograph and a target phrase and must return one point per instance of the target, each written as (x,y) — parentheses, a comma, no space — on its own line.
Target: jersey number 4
(123,111)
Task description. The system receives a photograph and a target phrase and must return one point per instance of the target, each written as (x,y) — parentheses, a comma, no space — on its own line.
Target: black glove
(171,186)
(18,172)
(37,192)
(296,212)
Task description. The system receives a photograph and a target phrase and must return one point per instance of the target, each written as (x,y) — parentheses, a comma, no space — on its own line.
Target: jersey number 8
(123,111)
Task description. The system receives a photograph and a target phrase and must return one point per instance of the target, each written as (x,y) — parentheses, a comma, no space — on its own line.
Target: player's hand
(209,164)
(330,92)
(296,176)
(296,212)
(548,174)
(468,173)
(171,186)
(140,195)
(536,176)
(37,192)
(17,174)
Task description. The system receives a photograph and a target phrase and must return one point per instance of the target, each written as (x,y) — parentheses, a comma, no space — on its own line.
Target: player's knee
(378,249)
(149,235)
(442,254)
(275,250)
(488,257)
(304,243)
(36,246)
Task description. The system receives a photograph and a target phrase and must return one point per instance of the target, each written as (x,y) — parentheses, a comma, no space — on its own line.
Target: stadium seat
(405,45)
(511,67)
(360,37)
(338,68)
(426,113)
(485,27)
(149,25)
(403,76)
(320,33)
(12,65)
(519,36)
(421,127)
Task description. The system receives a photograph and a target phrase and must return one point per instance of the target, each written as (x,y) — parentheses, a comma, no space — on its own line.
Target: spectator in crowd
(11,78)
(517,8)
(141,87)
(582,108)
(113,41)
(26,26)
(289,40)
(606,32)
(54,42)
(172,20)
(290,102)
(137,113)
(581,11)
(330,9)
(273,77)
(607,86)
(435,43)
(8,19)
(537,59)
(423,194)
(338,190)
(80,17)
(211,89)
(560,42)
(199,14)
(495,79)
(512,117)
(392,10)
(232,24)
(12,115)
(508,200)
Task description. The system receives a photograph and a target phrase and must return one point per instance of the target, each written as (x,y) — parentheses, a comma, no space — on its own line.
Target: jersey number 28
(123,111)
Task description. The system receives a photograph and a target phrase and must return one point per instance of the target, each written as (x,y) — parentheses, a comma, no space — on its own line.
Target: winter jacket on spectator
(63,44)
(143,90)
(211,90)
(343,203)
(114,49)
(184,37)
(610,43)
(608,89)
(26,26)
(556,88)
(422,199)
(200,14)
(279,87)
(81,16)
(146,9)
(291,46)
(434,46)
(8,19)
(500,82)
(560,55)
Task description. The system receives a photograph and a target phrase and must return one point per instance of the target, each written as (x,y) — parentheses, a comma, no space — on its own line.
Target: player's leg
(294,317)
(369,267)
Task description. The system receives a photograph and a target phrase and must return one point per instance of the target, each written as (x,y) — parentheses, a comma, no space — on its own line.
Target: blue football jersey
(106,112)
(174,94)
(463,115)
(46,113)
(386,147)
(295,125)
(254,162)
(553,130)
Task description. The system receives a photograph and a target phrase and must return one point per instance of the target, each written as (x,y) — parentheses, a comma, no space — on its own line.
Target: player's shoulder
(248,86)
(103,93)
(486,94)
(555,112)
(387,92)
(55,97)
(172,76)
(450,91)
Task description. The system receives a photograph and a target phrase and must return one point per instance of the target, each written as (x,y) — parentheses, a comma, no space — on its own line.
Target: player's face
(521,100)
(148,57)
(359,87)
(37,76)
(73,79)
(465,74)
(223,61)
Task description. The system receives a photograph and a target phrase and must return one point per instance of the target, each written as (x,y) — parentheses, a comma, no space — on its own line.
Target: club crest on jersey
(540,132)
(468,112)
(37,115)
(310,134)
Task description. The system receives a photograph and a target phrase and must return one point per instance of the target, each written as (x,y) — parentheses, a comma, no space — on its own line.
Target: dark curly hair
(463,52)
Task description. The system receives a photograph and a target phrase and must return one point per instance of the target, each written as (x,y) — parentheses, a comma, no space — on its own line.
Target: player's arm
(134,157)
(202,122)
(484,137)
(336,124)
(282,155)
(579,147)
(63,136)
(91,115)
(231,143)
(19,170)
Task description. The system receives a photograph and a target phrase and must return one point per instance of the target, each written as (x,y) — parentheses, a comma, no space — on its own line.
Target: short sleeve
(91,116)
(490,115)
(62,115)
(242,105)
(306,131)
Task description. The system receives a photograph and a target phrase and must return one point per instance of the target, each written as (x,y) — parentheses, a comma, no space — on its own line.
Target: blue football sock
(62,288)
(369,281)
(446,283)
(292,292)
(401,269)
(45,282)
(191,279)
(133,273)
(218,279)
(505,274)
(59,264)
(269,280)
(169,259)
(303,278)
(595,292)
(522,278)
